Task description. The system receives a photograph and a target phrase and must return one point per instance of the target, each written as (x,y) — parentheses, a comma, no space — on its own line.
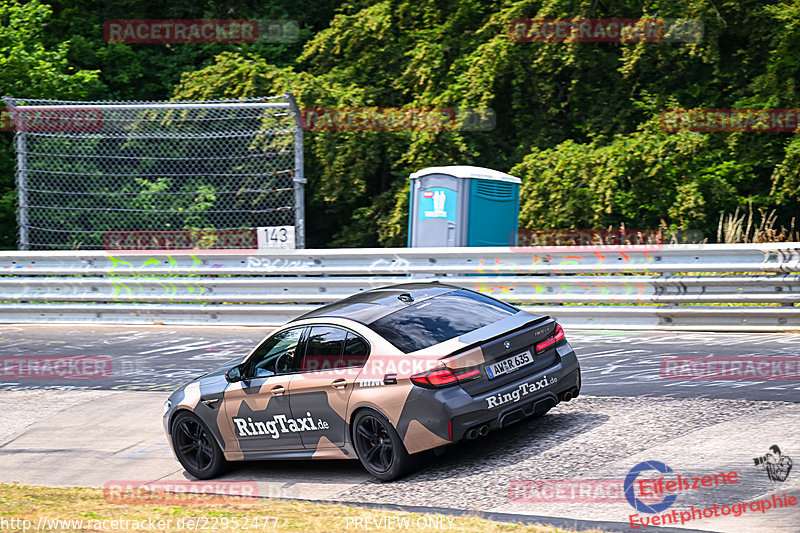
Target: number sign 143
(275,237)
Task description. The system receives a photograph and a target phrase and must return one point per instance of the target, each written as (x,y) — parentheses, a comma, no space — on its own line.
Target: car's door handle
(339,383)
(277,390)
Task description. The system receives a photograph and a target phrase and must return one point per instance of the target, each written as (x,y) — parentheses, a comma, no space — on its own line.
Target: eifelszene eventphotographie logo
(776,464)
(630,494)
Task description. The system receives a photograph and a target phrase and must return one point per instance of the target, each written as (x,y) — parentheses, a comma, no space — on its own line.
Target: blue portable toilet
(463,206)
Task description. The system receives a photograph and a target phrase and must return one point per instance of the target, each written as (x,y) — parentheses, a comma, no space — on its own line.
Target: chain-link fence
(157,175)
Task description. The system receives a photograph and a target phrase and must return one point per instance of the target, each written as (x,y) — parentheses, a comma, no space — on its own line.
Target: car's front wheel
(195,447)
(379,447)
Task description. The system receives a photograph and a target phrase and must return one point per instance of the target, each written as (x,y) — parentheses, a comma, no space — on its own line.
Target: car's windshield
(439,319)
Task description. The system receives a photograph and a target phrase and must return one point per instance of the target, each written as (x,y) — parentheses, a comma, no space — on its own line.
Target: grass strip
(90,509)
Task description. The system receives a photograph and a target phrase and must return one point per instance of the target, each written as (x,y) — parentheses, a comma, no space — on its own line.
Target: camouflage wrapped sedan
(379,376)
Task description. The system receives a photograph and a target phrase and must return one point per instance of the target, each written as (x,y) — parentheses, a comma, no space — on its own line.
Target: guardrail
(650,286)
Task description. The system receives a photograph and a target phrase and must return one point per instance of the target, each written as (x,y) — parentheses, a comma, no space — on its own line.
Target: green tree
(149,71)
(31,68)
(578,121)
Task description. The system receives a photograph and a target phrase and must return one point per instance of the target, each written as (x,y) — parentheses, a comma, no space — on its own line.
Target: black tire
(195,447)
(379,447)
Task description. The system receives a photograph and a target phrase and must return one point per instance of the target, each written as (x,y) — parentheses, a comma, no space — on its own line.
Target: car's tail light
(442,377)
(557,337)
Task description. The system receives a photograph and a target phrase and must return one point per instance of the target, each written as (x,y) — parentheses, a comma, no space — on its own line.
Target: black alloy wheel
(379,447)
(195,447)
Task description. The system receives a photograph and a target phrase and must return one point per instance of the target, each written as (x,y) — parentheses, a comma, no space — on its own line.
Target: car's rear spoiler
(498,329)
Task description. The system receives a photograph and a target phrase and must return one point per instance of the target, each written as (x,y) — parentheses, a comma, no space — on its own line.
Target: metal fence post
(22,191)
(299,176)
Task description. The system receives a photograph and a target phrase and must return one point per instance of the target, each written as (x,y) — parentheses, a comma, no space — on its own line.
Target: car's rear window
(439,319)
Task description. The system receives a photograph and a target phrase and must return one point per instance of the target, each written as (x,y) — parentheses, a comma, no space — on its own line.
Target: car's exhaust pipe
(471,433)
(568,395)
(484,430)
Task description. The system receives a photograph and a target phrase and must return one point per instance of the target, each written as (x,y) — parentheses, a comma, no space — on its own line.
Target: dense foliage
(578,122)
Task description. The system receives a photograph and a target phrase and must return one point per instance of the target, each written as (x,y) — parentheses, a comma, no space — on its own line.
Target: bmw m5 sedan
(379,376)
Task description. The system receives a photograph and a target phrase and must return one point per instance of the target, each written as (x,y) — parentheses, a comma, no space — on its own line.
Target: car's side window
(356,351)
(323,348)
(276,355)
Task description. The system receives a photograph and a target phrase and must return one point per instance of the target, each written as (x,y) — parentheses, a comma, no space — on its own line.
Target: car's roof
(368,306)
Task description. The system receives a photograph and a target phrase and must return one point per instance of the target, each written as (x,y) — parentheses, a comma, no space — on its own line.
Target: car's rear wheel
(379,447)
(195,447)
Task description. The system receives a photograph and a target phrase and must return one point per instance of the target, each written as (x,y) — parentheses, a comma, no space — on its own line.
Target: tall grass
(749,227)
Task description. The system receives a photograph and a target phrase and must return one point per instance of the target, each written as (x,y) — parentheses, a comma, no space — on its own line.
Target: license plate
(512,364)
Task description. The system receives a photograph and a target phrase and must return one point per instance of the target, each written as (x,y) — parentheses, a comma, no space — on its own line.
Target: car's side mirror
(234,374)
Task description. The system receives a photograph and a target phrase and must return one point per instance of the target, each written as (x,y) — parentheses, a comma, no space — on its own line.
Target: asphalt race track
(106,428)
